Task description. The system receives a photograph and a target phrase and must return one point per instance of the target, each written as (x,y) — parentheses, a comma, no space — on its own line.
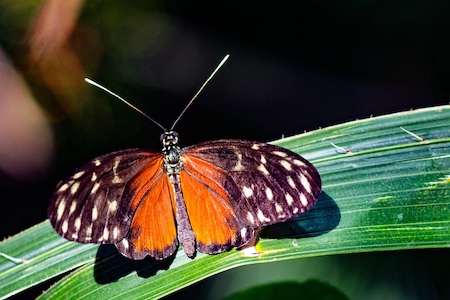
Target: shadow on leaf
(110,265)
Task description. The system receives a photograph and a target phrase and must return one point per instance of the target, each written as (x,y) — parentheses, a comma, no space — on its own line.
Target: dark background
(294,66)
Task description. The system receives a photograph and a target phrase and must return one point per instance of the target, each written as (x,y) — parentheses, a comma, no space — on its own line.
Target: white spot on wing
(116,178)
(116,165)
(125,244)
(255,147)
(261,216)
(263,159)
(97,162)
(63,187)
(116,232)
(89,232)
(250,218)
(269,193)
(291,182)
(298,162)
(94,177)
(279,153)
(305,183)
(289,199)
(74,187)
(95,188)
(295,210)
(113,206)
(77,224)
(243,232)
(238,166)
(61,208)
(263,169)
(287,165)
(279,210)
(73,206)
(94,214)
(248,192)
(105,234)
(303,199)
(65,226)
(78,175)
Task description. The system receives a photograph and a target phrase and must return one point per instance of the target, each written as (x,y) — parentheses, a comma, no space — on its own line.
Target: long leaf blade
(391,192)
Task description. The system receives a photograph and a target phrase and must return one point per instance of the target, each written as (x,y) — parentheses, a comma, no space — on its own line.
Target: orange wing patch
(153,229)
(211,216)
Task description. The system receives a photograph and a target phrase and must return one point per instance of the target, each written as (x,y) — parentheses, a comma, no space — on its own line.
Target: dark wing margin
(264,184)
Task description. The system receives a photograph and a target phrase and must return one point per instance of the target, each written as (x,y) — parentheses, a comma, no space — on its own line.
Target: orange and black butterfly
(209,197)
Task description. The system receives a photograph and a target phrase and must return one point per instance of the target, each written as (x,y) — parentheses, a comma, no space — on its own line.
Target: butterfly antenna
(124,101)
(200,90)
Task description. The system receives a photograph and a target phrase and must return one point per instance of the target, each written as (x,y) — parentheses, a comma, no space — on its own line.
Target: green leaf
(46,255)
(383,189)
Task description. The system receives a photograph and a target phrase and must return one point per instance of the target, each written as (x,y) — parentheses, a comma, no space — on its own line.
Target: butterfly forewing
(98,202)
(262,184)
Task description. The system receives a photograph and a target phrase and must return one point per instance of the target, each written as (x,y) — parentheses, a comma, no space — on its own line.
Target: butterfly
(209,197)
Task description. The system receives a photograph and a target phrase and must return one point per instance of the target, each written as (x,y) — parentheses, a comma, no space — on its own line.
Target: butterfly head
(171,152)
(169,137)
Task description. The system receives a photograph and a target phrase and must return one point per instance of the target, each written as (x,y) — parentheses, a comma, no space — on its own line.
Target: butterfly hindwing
(262,184)
(153,230)
(100,201)
(216,225)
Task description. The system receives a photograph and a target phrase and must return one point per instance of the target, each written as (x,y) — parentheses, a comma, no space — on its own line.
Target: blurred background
(294,67)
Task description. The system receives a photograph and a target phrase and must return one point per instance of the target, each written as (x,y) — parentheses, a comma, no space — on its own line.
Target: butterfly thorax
(171,152)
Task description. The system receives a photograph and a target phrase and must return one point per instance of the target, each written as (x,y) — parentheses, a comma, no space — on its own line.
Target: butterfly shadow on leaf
(323,217)
(110,265)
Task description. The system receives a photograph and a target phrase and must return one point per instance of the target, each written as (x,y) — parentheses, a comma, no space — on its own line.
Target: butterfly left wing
(152,230)
(233,187)
(120,198)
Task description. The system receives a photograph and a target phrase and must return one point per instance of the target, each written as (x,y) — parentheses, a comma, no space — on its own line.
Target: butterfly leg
(186,235)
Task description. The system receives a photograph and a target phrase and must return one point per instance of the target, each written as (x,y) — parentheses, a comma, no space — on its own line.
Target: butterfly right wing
(233,187)
(121,198)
